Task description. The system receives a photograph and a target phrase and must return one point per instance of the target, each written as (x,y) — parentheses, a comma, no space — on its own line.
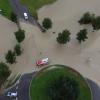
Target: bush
(63,88)
(13,17)
(47,23)
(10,57)
(20,35)
(4,73)
(96,23)
(82,35)
(63,37)
(17,50)
(87,18)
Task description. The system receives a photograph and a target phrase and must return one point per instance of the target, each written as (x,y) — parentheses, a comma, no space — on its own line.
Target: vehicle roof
(45,59)
(25,14)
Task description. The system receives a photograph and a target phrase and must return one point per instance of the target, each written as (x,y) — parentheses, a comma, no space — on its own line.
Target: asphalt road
(95,89)
(20,9)
(22,88)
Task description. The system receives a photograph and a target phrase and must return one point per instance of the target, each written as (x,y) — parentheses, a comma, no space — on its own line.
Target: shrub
(63,37)
(47,23)
(10,57)
(18,50)
(20,35)
(87,18)
(4,72)
(82,35)
(96,23)
(63,88)
(13,17)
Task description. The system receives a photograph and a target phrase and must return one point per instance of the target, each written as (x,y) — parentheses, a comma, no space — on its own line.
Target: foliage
(10,57)
(13,17)
(63,88)
(47,23)
(4,73)
(96,23)
(87,18)
(63,37)
(18,50)
(6,8)
(20,35)
(34,5)
(35,14)
(41,83)
(82,35)
(91,19)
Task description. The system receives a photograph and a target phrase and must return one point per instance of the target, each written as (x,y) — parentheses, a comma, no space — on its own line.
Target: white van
(12,94)
(25,16)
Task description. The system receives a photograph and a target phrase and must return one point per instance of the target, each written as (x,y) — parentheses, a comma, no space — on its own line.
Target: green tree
(20,35)
(13,17)
(10,57)
(82,35)
(63,37)
(96,23)
(63,88)
(4,73)
(87,18)
(18,50)
(47,23)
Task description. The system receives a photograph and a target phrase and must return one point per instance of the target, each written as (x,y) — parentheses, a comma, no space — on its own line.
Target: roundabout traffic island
(59,82)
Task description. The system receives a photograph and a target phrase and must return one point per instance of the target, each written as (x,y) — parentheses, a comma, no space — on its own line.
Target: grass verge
(6,8)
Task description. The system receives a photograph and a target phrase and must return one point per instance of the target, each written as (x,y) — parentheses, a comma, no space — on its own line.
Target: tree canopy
(63,88)
(13,17)
(82,35)
(47,23)
(96,23)
(20,35)
(87,18)
(63,37)
(17,50)
(4,72)
(10,57)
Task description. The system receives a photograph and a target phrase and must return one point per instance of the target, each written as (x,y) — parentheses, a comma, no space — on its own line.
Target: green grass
(6,8)
(34,5)
(40,83)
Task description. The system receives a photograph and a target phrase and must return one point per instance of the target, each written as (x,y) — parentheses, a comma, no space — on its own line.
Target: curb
(89,87)
(13,84)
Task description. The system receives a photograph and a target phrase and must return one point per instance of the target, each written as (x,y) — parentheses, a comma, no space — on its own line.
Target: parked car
(42,62)
(26,16)
(12,94)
